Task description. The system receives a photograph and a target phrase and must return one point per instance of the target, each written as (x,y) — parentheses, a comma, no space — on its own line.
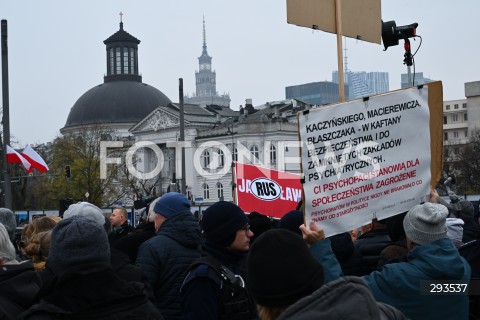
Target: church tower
(205,81)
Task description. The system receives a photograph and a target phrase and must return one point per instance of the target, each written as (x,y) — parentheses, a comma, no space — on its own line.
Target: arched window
(220,191)
(206,158)
(273,154)
(221,159)
(255,154)
(206,191)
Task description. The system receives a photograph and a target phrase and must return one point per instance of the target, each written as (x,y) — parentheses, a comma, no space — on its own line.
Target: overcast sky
(56,50)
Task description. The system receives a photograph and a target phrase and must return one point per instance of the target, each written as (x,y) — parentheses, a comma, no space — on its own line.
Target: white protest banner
(365,159)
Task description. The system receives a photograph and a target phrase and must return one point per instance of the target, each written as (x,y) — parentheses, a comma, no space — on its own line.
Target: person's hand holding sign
(312,235)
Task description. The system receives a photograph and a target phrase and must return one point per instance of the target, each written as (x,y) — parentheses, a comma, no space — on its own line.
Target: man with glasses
(215,287)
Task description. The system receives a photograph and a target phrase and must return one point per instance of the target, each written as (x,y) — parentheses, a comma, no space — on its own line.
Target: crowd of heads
(274,248)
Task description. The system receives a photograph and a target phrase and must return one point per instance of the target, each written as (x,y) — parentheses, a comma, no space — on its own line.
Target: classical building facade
(215,137)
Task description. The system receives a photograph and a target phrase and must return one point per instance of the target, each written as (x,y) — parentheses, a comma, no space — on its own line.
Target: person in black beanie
(296,289)
(215,287)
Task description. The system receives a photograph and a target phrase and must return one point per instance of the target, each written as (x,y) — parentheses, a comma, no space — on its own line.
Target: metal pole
(410,80)
(6,117)
(182,134)
(338,23)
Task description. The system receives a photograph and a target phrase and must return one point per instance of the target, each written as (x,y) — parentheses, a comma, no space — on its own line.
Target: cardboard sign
(269,192)
(360,20)
(366,159)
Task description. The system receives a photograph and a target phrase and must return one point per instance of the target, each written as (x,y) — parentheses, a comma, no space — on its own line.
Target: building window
(466,133)
(273,154)
(234,153)
(445,120)
(255,154)
(455,106)
(464,105)
(456,151)
(118,61)
(206,158)
(465,117)
(112,61)
(455,134)
(206,191)
(445,136)
(125,60)
(455,118)
(220,191)
(221,159)
(132,61)
(447,107)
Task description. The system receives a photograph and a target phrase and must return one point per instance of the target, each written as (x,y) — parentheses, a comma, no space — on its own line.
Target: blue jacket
(165,260)
(398,284)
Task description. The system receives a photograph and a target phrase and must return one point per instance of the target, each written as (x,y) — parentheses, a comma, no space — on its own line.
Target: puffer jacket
(166,258)
(400,284)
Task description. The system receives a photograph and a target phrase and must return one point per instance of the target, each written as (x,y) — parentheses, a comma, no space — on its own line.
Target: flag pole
(7,186)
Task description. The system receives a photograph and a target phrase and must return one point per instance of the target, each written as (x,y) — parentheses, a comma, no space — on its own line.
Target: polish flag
(35,160)
(15,157)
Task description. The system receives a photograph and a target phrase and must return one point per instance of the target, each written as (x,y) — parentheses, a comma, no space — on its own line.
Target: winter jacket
(204,294)
(344,298)
(347,254)
(370,244)
(134,240)
(80,293)
(399,284)
(119,232)
(165,259)
(322,252)
(19,285)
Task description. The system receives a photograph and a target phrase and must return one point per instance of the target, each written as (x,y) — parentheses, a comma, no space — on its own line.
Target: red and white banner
(15,157)
(269,192)
(35,160)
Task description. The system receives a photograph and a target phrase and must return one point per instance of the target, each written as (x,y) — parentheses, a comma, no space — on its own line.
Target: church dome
(116,102)
(122,98)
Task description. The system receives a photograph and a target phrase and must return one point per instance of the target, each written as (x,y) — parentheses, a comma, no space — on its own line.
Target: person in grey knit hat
(86,209)
(84,285)
(426,223)
(78,240)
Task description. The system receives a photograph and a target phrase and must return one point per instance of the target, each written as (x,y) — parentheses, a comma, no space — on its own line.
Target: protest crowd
(225,264)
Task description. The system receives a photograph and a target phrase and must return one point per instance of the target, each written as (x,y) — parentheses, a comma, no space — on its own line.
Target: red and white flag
(35,160)
(15,157)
